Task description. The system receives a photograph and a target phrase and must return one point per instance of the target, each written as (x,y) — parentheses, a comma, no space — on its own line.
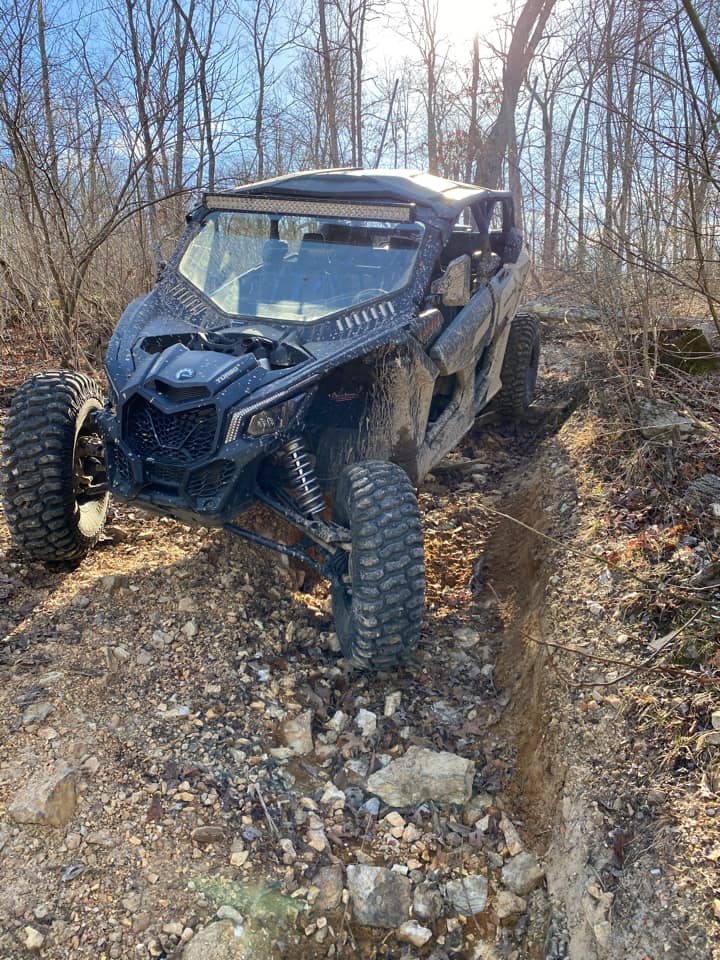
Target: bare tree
(526,35)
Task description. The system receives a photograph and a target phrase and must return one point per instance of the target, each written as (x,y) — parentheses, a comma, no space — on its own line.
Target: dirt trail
(163,668)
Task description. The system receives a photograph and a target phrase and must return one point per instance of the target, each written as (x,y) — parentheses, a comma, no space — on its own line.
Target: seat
(465,242)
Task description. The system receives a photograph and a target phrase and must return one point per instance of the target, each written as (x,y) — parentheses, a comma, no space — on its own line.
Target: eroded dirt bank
(164,670)
(628,834)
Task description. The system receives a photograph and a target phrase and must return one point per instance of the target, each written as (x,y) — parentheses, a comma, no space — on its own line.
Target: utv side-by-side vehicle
(317,343)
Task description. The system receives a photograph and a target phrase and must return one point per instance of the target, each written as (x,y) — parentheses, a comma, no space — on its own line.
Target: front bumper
(172,460)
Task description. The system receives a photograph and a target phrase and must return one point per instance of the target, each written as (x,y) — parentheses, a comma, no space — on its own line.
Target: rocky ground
(189,769)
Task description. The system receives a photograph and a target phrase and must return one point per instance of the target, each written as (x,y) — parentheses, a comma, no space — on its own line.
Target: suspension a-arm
(330,540)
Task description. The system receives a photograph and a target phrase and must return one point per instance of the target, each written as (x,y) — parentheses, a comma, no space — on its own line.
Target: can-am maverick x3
(317,342)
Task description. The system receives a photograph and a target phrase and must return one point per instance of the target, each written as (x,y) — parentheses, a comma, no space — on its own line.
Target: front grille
(123,470)
(160,473)
(174,437)
(209,481)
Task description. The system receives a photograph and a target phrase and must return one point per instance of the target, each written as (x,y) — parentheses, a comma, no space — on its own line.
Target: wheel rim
(89,479)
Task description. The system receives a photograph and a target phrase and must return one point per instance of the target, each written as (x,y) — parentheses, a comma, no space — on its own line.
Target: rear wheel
(378,610)
(520,368)
(53,471)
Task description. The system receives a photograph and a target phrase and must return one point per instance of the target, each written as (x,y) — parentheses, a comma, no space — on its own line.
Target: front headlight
(264,422)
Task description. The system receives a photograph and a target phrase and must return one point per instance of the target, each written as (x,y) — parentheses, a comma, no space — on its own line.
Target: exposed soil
(170,657)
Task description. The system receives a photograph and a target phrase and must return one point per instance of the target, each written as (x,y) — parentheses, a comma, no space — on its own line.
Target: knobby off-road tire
(520,367)
(378,616)
(51,514)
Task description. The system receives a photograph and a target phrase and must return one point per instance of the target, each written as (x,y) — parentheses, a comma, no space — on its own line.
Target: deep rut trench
(518,576)
(568,764)
(519,566)
(537,513)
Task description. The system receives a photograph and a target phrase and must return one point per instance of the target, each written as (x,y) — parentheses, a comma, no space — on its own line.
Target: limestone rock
(329,881)
(379,897)
(658,418)
(289,854)
(475,809)
(512,838)
(392,703)
(412,932)
(208,834)
(508,905)
(226,912)
(48,799)
(33,939)
(297,733)
(468,895)
(334,796)
(366,722)
(421,775)
(217,941)
(337,722)
(37,712)
(522,873)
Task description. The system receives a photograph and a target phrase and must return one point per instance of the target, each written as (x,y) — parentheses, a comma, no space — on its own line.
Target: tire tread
(36,473)
(382,625)
(511,401)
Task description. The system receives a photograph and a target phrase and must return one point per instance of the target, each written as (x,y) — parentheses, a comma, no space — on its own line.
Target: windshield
(297,268)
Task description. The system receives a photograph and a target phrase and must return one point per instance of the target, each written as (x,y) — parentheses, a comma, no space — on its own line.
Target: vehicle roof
(445,198)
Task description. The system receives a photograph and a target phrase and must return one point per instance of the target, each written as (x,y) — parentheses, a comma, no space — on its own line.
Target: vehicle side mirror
(453,287)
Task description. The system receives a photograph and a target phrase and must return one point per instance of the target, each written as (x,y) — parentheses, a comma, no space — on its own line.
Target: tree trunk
(330,98)
(473,140)
(526,36)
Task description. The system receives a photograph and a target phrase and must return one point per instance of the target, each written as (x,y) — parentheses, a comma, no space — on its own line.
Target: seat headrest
(274,251)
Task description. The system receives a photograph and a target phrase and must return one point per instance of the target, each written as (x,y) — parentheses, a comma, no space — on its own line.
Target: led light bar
(394,212)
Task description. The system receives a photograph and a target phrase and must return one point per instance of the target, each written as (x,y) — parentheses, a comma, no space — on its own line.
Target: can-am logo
(186,373)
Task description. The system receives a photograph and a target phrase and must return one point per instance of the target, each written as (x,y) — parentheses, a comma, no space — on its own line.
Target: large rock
(705,490)
(217,941)
(468,895)
(379,897)
(48,799)
(522,873)
(422,775)
(329,881)
(297,733)
(659,419)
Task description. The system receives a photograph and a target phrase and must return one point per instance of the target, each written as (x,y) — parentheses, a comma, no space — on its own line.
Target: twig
(645,665)
(270,822)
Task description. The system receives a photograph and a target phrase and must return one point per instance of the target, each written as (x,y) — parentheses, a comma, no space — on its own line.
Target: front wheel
(54,482)
(379,608)
(520,368)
